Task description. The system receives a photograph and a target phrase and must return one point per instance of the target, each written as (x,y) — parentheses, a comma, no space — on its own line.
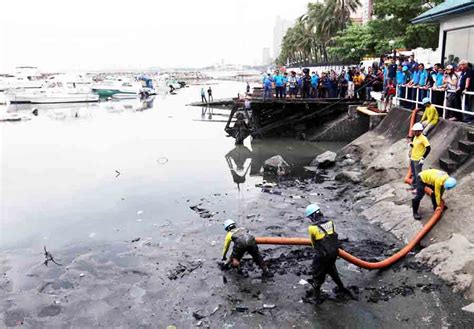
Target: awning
(447,8)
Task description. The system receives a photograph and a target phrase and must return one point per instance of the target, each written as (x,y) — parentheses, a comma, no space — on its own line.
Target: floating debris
(268,306)
(118,173)
(49,258)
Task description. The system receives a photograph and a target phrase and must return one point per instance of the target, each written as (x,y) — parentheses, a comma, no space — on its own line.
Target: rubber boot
(433,201)
(317,295)
(416,205)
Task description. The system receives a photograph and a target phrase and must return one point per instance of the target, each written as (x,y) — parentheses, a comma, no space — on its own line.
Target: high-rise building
(266,56)
(279,31)
(367,11)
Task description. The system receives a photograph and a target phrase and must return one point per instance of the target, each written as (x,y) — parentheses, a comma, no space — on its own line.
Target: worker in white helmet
(243,242)
(420,148)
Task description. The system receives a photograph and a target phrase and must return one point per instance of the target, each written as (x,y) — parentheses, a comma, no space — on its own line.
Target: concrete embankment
(380,164)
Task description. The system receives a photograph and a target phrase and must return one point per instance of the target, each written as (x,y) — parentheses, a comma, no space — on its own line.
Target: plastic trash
(269,306)
(303,282)
(139,212)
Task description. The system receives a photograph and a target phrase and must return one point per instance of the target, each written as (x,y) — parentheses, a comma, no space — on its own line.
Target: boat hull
(52,99)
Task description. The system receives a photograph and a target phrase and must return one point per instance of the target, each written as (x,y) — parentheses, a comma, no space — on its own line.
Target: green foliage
(325,32)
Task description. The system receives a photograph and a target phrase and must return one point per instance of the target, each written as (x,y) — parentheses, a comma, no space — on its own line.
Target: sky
(72,35)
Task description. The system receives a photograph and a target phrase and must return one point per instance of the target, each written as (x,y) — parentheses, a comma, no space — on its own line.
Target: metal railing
(429,93)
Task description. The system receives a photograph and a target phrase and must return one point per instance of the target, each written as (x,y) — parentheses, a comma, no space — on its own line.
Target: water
(79,173)
(87,185)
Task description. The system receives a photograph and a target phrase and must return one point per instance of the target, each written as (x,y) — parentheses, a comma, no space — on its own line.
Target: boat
(111,87)
(59,89)
(24,77)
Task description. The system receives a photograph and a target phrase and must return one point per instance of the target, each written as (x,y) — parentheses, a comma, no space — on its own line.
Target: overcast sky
(96,34)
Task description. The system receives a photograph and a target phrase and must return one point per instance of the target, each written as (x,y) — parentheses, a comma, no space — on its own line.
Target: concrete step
(466,146)
(448,165)
(457,155)
(470,135)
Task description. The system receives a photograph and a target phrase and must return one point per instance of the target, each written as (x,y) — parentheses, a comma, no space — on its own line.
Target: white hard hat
(228,223)
(417,127)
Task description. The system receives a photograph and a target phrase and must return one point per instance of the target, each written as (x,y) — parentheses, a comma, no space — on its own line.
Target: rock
(454,270)
(276,165)
(324,160)
(311,168)
(197,315)
(349,176)
(347,162)
(469,308)
(377,176)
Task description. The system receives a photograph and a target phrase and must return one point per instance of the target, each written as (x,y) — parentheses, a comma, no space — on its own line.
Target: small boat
(24,77)
(141,86)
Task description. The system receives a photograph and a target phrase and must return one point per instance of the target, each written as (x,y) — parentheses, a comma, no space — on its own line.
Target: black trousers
(420,193)
(240,248)
(323,266)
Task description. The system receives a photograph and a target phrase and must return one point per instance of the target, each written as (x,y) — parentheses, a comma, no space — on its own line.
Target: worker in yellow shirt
(438,181)
(430,116)
(420,150)
(325,242)
(243,242)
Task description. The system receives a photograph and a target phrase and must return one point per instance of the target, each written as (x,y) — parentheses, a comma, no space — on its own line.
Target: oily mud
(172,276)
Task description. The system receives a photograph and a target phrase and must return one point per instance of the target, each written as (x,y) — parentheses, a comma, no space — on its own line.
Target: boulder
(324,160)
(349,176)
(276,165)
(347,162)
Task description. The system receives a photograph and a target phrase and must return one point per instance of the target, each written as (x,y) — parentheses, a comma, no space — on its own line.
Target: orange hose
(357,261)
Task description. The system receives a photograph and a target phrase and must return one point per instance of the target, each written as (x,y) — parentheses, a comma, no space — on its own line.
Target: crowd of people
(415,81)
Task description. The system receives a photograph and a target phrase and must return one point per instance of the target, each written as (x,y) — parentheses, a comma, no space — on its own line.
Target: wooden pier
(277,116)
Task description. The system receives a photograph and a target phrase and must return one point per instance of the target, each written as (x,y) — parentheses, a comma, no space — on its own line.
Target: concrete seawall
(382,160)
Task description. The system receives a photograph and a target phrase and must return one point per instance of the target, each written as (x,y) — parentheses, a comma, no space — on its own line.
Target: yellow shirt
(430,114)
(436,178)
(358,79)
(227,241)
(420,143)
(315,233)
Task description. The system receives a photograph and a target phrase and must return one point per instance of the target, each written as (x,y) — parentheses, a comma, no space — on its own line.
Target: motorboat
(59,89)
(120,86)
(24,77)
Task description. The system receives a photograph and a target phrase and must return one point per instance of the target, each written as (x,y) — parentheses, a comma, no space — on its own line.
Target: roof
(449,7)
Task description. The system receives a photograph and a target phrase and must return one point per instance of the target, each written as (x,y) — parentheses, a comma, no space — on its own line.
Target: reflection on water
(243,161)
(239,160)
(58,170)
(76,110)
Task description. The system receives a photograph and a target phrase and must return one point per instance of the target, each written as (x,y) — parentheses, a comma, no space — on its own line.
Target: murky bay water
(115,170)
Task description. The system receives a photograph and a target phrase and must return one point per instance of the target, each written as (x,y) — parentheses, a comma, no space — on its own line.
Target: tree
(353,43)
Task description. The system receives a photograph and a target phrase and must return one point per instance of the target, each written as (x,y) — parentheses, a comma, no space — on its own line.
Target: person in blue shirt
(267,87)
(437,77)
(415,80)
(278,79)
(412,64)
(423,82)
(314,84)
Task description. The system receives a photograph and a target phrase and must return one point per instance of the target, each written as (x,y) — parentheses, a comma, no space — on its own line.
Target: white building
(456,33)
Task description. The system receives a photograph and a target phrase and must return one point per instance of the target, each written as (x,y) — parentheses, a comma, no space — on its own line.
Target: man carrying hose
(243,242)
(326,245)
(437,181)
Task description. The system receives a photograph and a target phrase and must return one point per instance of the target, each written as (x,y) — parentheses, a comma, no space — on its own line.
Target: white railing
(429,92)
